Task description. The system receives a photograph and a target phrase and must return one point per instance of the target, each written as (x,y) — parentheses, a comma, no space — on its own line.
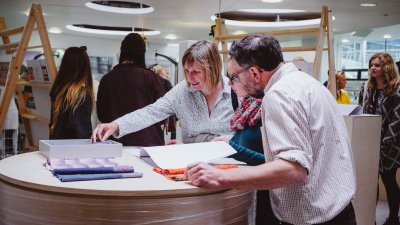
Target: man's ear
(256,74)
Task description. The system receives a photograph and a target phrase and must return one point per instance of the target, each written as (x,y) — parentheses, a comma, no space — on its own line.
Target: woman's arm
(247,155)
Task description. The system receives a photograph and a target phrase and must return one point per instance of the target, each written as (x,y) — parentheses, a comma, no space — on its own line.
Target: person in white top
(309,167)
(202,101)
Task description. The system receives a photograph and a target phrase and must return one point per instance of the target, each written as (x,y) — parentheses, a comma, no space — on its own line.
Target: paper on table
(179,156)
(346,109)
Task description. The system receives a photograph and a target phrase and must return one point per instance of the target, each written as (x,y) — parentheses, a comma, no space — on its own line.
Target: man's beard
(253,89)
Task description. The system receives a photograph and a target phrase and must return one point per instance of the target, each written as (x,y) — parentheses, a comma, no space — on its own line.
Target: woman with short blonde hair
(202,102)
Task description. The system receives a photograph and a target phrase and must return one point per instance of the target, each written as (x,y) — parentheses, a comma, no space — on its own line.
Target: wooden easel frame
(325,29)
(19,48)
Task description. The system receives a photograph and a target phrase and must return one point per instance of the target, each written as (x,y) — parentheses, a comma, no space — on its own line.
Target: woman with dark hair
(202,101)
(382,97)
(72,97)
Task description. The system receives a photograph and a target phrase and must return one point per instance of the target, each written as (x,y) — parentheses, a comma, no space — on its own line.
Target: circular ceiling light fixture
(387,36)
(120,7)
(269,18)
(54,30)
(106,30)
(368,4)
(272,1)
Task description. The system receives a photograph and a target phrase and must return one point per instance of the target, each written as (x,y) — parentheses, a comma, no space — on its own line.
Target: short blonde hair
(206,54)
(160,71)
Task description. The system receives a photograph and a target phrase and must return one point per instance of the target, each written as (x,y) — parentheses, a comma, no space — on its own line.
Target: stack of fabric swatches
(179,174)
(89,169)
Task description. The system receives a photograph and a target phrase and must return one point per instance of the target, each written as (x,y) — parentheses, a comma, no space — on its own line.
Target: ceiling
(190,19)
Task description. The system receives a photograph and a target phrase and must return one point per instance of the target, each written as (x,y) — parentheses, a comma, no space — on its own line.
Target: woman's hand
(220,138)
(103,131)
(174,142)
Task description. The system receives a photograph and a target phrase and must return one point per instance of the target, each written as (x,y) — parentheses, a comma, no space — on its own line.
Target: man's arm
(276,174)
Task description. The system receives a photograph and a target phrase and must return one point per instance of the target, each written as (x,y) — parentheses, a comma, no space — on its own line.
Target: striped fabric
(302,124)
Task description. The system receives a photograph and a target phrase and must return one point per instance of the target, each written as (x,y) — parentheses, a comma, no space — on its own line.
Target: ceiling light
(368,4)
(120,7)
(109,31)
(277,11)
(352,33)
(170,37)
(175,45)
(270,24)
(387,36)
(345,40)
(272,1)
(54,30)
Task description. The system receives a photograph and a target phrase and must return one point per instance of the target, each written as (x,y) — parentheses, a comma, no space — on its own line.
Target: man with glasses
(309,167)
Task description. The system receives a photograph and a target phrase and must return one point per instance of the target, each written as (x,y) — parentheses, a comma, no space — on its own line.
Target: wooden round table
(30,194)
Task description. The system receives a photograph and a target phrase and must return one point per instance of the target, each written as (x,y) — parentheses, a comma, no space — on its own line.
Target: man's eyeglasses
(234,76)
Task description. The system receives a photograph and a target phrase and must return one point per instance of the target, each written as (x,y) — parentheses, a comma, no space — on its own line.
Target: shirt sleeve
(287,131)
(246,155)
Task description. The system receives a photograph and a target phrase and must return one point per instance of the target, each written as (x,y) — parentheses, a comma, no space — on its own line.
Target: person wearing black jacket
(130,86)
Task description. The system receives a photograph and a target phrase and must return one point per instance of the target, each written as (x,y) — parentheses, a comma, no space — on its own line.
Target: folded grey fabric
(99,176)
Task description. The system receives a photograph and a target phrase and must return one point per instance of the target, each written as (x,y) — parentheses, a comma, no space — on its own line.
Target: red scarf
(248,114)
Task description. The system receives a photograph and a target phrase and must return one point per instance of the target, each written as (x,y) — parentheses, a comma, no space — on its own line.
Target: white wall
(98,46)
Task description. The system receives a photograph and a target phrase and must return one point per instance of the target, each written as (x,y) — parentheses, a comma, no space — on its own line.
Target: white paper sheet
(346,109)
(179,156)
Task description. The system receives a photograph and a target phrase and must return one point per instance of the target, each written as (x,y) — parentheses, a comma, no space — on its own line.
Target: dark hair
(133,49)
(72,83)
(259,50)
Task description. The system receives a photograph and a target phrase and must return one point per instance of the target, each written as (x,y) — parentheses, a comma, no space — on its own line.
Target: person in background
(170,123)
(202,101)
(382,97)
(342,97)
(311,177)
(163,74)
(72,97)
(130,86)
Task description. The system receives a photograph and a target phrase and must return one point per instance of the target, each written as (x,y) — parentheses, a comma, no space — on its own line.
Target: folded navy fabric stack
(89,169)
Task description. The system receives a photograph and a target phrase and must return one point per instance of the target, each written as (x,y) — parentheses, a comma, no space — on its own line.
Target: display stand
(364,133)
(325,30)
(30,120)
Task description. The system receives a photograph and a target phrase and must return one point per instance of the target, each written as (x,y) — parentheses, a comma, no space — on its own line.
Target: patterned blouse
(389,107)
(190,107)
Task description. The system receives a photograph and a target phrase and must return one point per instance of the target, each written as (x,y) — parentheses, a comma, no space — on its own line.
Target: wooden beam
(291,49)
(15,68)
(13,31)
(33,84)
(44,37)
(274,33)
(9,45)
(35,117)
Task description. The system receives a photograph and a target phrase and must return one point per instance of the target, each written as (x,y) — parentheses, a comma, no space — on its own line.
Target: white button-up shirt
(190,107)
(302,124)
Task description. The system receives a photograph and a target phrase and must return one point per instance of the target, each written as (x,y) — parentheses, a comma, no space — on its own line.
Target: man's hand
(204,175)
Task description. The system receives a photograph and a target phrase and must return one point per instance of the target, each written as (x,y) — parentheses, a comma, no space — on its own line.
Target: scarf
(248,114)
